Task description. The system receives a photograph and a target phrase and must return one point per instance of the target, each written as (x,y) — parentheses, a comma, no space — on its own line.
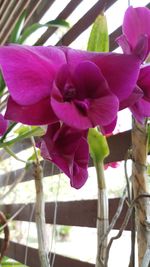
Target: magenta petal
(120,71)
(141,110)
(81,164)
(136,22)
(103,110)
(108,129)
(133,98)
(124,44)
(144,81)
(3,125)
(51,54)
(38,114)
(112,165)
(100,111)
(68,149)
(28,73)
(56,158)
(87,76)
(74,57)
(69,113)
(140,50)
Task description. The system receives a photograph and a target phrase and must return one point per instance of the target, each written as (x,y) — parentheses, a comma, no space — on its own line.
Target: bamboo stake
(139,155)
(102,215)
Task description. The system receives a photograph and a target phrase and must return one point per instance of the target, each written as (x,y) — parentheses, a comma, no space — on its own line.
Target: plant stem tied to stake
(102,215)
(139,148)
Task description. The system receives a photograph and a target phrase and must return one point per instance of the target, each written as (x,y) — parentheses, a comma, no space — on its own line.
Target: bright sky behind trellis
(114,17)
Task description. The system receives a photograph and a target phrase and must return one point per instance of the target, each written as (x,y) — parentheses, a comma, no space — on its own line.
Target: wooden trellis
(73,213)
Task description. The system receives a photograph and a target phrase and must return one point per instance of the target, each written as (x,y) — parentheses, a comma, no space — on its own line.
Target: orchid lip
(69,93)
(82,105)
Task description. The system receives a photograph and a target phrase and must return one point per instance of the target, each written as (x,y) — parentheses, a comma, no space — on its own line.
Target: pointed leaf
(34,27)
(18,28)
(99,39)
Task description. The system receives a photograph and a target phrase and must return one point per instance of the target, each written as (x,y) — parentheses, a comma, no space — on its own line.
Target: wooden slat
(85,21)
(118,144)
(112,38)
(31,9)
(5,12)
(63,15)
(17,252)
(74,213)
(11,20)
(40,11)
(4,6)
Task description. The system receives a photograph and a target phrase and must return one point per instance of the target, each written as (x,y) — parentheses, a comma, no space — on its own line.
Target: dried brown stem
(124,224)
(5,244)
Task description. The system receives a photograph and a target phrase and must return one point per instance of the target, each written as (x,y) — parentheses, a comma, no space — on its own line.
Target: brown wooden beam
(17,252)
(40,11)
(118,144)
(74,213)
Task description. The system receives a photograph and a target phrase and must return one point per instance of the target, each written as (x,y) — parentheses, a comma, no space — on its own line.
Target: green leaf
(59,23)
(98,145)
(99,38)
(18,28)
(34,27)
(2,84)
(24,130)
(11,153)
(23,134)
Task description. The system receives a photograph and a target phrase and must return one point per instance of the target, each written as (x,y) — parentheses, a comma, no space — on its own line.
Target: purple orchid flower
(136,40)
(112,65)
(92,84)
(82,99)
(136,32)
(68,149)
(3,125)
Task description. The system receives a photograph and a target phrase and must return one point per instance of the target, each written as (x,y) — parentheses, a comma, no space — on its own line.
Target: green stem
(17,139)
(11,153)
(102,214)
(99,165)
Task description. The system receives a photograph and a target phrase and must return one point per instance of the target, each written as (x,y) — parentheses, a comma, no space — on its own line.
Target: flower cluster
(71,91)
